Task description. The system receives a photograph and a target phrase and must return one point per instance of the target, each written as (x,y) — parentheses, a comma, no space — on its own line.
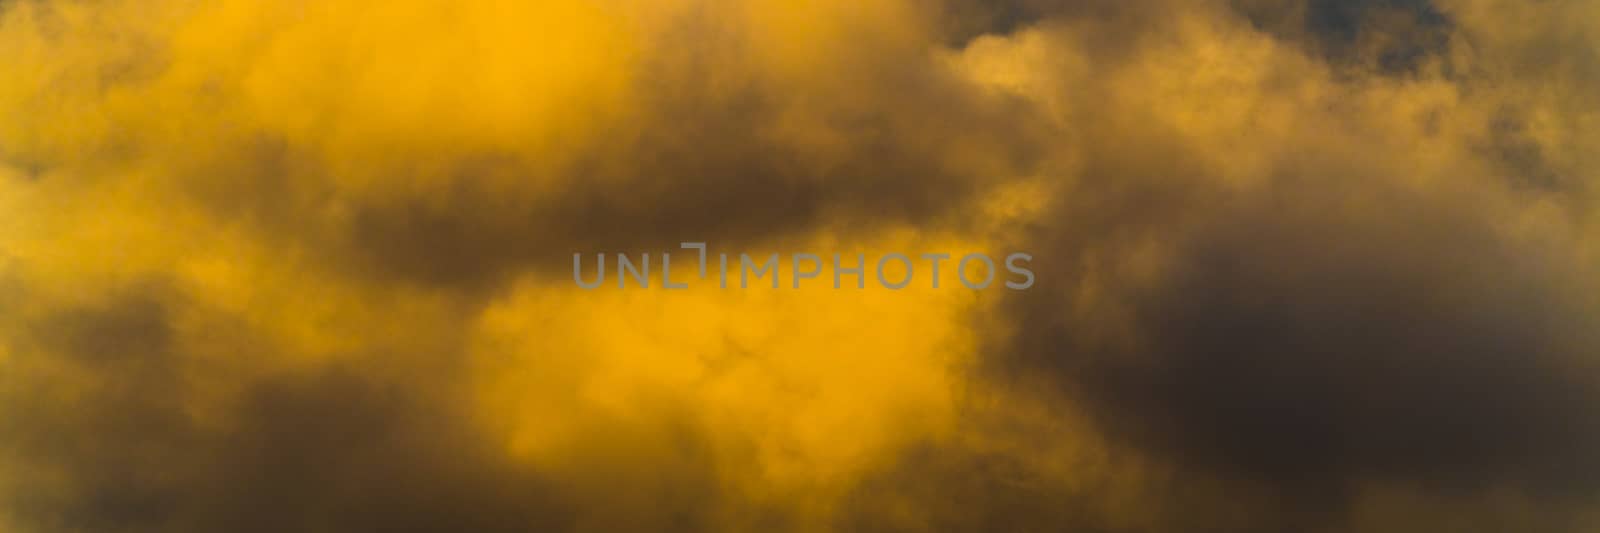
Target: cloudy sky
(1302,265)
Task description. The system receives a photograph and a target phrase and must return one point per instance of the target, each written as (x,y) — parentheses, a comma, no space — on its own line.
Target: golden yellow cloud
(303,266)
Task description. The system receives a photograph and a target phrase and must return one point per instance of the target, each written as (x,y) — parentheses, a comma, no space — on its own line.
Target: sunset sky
(305,266)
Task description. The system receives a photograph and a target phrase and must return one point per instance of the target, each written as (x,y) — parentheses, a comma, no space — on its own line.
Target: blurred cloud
(1302,265)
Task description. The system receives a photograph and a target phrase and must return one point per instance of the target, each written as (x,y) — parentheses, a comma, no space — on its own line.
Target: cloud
(1301,265)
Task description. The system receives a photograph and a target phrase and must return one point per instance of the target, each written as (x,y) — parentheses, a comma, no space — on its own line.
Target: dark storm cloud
(1341,322)
(1346,322)
(1321,333)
